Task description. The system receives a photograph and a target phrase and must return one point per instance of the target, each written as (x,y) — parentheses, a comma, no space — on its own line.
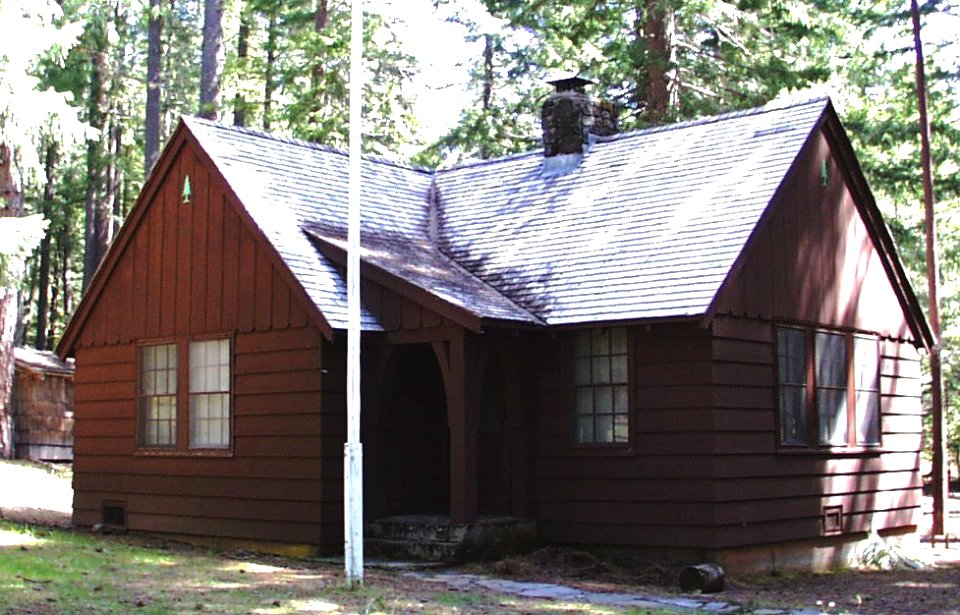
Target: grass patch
(46,571)
(63,572)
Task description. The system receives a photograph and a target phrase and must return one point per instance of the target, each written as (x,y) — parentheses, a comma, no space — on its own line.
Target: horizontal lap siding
(197,269)
(278,483)
(658,492)
(764,494)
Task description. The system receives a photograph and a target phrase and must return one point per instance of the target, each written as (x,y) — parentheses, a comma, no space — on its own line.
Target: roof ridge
(774,105)
(488,161)
(778,104)
(282,138)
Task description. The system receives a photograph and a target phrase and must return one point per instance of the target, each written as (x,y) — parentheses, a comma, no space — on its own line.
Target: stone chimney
(570,120)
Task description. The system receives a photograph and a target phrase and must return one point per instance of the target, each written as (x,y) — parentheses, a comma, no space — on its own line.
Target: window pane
(620,400)
(207,363)
(618,366)
(793,415)
(585,400)
(149,383)
(604,429)
(868,417)
(603,400)
(866,363)
(585,429)
(618,341)
(581,372)
(581,344)
(601,343)
(831,358)
(148,358)
(832,410)
(601,370)
(621,428)
(209,425)
(792,355)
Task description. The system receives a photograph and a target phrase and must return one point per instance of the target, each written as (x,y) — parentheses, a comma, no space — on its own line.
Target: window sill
(830,451)
(602,450)
(192,453)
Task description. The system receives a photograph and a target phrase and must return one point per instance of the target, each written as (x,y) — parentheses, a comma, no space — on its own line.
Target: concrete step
(418,528)
(435,538)
(444,552)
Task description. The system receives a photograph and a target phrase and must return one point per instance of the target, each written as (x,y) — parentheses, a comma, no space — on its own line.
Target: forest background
(90,90)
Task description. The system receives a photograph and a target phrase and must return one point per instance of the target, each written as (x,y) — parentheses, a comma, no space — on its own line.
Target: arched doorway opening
(412,436)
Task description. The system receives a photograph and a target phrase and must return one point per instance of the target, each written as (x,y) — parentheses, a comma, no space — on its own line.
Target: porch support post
(460,382)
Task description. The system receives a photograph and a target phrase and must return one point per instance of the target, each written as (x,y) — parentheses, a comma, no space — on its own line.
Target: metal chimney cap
(570,82)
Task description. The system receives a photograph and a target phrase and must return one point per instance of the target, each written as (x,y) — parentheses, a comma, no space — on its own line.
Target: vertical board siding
(812,258)
(192,268)
(396,312)
(196,269)
(767,495)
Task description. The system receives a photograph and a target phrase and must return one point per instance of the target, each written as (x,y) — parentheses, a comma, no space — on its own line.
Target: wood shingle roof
(648,224)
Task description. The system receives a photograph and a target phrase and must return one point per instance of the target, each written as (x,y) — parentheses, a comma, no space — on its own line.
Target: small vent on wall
(832,520)
(113,514)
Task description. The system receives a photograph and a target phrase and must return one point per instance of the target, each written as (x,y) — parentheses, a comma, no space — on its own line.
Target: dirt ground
(45,498)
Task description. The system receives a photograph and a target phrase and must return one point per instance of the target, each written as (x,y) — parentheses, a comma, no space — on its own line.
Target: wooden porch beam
(458,364)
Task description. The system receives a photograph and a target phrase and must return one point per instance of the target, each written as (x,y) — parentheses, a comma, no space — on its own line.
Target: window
(792,360)
(829,388)
(204,396)
(830,357)
(601,394)
(866,354)
(209,394)
(158,395)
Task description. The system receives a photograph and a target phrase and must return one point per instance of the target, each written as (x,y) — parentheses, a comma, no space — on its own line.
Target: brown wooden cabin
(695,340)
(42,406)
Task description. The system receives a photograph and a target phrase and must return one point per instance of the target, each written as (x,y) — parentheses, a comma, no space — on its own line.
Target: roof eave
(456,314)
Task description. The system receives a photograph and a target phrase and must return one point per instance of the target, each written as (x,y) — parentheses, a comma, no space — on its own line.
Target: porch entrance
(412,436)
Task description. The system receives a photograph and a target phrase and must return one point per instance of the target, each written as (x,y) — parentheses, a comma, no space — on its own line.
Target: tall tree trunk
(54,318)
(268,77)
(66,265)
(8,325)
(151,148)
(243,51)
(12,199)
(486,100)
(653,28)
(211,59)
(321,18)
(12,205)
(98,207)
(51,158)
(116,179)
(315,103)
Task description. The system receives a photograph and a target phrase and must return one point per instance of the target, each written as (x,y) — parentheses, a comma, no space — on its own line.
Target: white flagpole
(352,450)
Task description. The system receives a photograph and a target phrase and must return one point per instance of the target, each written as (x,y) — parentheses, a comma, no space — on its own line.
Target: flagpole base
(353,513)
